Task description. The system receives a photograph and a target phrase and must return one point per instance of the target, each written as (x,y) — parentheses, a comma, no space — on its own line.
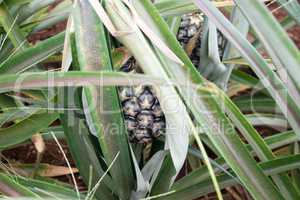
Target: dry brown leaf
(235,89)
(44,170)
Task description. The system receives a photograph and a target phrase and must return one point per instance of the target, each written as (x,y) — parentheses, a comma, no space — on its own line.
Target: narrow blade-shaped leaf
(101,104)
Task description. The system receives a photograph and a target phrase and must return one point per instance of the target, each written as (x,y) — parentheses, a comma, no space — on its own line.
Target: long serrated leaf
(261,68)
(39,186)
(284,53)
(142,185)
(101,104)
(292,7)
(210,64)
(33,55)
(67,51)
(13,82)
(12,188)
(277,122)
(147,176)
(178,7)
(259,146)
(85,157)
(12,29)
(241,23)
(13,114)
(25,129)
(151,166)
(201,174)
(259,104)
(205,187)
(31,8)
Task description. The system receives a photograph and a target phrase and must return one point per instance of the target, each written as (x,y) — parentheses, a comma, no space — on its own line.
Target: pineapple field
(150,99)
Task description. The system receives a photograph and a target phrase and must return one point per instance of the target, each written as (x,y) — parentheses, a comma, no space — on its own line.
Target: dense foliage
(184,121)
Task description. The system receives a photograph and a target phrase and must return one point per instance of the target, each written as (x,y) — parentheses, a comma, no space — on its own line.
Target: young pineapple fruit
(143,115)
(190,28)
(190,31)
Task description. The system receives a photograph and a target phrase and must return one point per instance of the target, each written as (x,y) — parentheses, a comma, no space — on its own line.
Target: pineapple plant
(109,124)
(143,115)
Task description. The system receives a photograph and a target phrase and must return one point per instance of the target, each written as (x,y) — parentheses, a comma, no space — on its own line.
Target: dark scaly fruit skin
(191,25)
(143,116)
(221,43)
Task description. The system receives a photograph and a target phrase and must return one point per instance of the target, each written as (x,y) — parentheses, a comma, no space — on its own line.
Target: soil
(293,32)
(47,33)
(27,154)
